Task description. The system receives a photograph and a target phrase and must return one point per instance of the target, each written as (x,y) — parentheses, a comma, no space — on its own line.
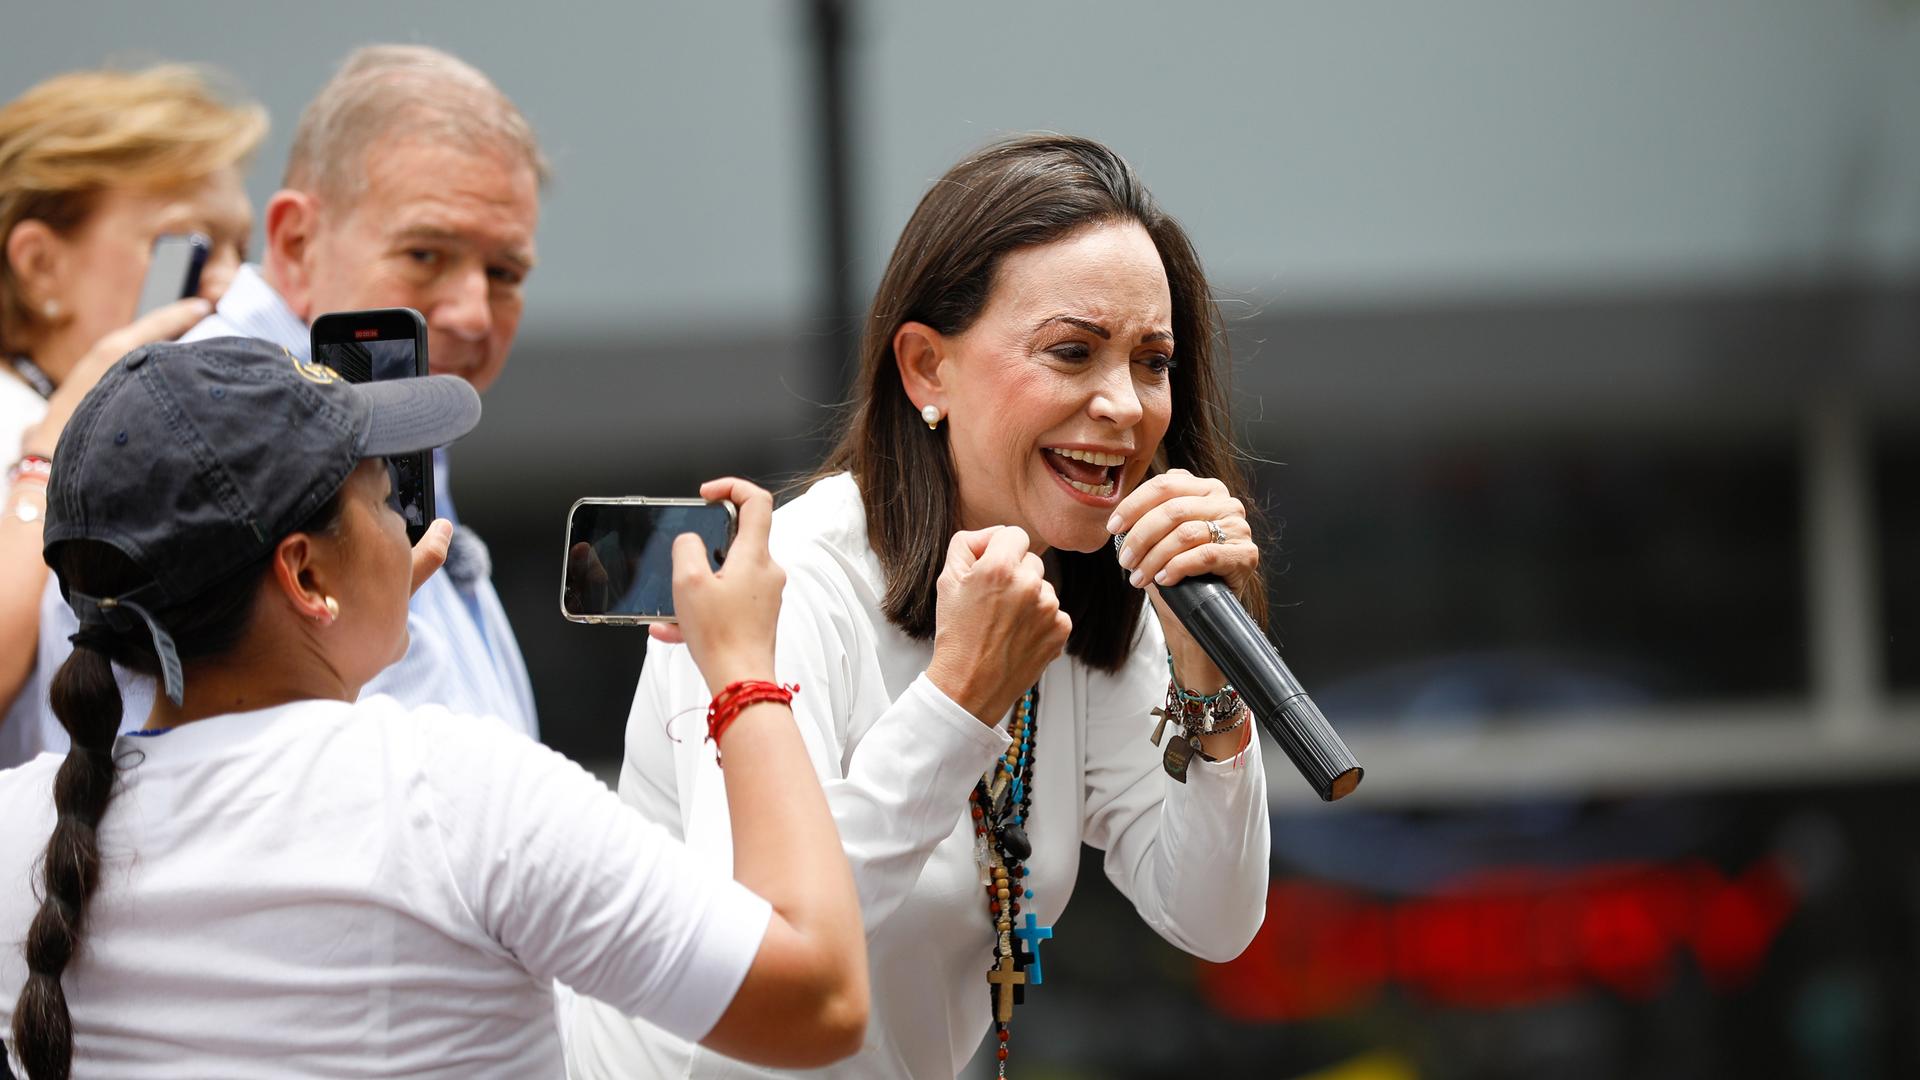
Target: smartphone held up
(618,565)
(372,346)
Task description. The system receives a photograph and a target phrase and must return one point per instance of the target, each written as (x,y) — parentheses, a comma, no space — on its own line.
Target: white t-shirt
(21,407)
(357,889)
(897,758)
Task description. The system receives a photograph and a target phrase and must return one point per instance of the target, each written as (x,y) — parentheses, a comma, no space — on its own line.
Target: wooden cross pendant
(1160,728)
(1005,978)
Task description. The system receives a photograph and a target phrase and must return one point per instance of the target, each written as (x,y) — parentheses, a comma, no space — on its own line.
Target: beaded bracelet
(1201,753)
(31,467)
(735,697)
(1203,714)
(1217,727)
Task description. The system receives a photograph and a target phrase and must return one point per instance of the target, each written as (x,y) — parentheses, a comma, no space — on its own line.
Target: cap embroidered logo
(310,371)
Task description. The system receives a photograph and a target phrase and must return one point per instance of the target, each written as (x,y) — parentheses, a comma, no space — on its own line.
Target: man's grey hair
(402,92)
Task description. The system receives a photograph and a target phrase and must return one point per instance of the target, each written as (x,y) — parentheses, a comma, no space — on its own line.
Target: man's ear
(921,353)
(293,224)
(38,258)
(300,574)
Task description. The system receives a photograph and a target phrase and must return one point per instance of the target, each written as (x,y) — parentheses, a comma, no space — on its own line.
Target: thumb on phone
(689,561)
(431,552)
(691,580)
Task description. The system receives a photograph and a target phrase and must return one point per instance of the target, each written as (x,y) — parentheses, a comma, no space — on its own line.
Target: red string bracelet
(736,696)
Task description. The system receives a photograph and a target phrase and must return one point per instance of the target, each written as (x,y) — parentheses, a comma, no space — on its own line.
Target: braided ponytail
(87,701)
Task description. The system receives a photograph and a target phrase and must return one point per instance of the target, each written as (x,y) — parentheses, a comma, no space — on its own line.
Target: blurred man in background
(412,182)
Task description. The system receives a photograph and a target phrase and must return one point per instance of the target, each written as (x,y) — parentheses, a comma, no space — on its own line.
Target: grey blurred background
(1580,346)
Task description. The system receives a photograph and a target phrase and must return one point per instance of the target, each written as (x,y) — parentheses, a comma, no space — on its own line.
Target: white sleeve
(895,793)
(1192,857)
(579,888)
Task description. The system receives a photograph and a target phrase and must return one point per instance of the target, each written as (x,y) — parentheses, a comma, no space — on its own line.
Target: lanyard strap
(30,371)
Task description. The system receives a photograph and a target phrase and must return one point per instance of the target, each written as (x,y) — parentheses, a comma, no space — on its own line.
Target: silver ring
(1213,530)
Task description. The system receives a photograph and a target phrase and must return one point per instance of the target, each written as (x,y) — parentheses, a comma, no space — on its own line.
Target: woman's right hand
(160,324)
(997,622)
(727,619)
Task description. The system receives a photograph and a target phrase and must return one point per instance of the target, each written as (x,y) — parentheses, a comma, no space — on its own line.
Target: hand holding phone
(728,618)
(619,560)
(691,570)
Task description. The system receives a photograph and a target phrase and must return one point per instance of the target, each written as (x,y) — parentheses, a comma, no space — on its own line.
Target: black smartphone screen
(619,558)
(370,346)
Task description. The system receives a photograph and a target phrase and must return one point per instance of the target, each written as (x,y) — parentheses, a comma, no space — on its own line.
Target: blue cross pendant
(1031,935)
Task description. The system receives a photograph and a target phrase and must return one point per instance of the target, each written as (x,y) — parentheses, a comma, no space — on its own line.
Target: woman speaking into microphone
(277,878)
(980,669)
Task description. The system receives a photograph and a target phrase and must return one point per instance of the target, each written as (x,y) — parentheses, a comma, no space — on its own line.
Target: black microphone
(1216,619)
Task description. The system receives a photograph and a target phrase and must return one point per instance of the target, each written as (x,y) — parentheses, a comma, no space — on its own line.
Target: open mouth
(1090,472)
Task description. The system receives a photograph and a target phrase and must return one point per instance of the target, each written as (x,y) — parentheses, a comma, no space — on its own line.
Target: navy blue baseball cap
(194,459)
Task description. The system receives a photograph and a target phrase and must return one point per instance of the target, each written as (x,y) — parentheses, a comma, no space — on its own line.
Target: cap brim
(411,415)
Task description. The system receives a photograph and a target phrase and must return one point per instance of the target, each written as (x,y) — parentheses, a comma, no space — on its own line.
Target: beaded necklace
(1001,803)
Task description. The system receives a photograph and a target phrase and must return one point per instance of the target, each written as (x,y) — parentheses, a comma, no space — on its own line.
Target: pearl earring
(931,414)
(333,608)
(51,309)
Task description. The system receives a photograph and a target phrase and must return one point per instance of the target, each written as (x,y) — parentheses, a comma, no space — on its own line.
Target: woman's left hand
(1166,522)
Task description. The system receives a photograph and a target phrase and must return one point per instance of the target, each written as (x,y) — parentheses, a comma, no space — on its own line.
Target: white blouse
(898,758)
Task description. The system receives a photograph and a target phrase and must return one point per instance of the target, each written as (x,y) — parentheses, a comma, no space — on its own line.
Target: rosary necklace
(1001,804)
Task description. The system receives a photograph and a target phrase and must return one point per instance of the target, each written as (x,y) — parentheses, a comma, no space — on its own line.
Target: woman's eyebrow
(1099,331)
(1088,325)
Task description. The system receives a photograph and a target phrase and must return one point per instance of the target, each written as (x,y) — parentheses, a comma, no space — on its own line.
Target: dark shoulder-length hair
(1014,194)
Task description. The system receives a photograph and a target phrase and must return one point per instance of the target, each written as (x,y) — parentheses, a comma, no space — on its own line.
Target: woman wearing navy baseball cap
(274,878)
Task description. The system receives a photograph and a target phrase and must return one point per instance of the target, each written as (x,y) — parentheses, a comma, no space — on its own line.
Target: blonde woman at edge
(93,166)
